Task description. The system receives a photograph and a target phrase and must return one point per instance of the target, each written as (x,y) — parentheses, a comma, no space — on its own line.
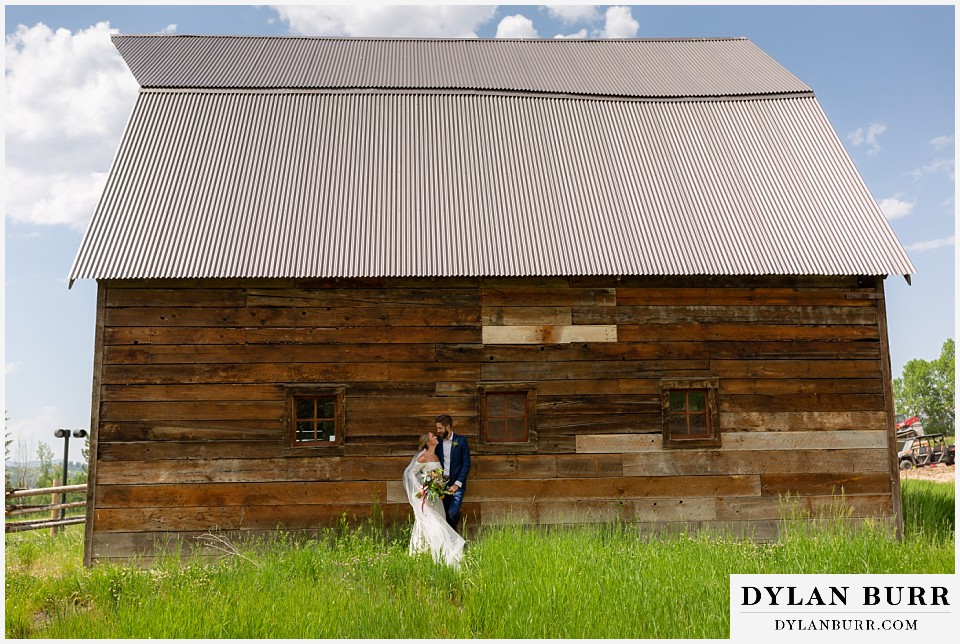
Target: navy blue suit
(459,470)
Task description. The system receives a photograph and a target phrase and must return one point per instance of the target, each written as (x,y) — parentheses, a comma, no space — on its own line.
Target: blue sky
(884,75)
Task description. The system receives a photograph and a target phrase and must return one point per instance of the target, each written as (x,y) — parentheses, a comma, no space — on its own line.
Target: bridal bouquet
(434,486)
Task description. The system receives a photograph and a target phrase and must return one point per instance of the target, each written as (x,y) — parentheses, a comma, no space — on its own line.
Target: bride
(431,532)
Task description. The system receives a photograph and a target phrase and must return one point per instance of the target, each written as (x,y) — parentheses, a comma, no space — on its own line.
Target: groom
(454,456)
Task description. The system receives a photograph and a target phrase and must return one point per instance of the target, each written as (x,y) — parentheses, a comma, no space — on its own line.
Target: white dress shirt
(447,448)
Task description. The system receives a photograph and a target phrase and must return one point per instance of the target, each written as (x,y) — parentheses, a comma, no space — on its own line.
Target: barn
(643,277)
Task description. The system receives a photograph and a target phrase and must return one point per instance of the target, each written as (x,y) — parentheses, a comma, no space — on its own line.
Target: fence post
(54,514)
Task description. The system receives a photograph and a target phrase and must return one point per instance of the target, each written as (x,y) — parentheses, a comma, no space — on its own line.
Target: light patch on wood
(711,461)
(549,334)
(849,439)
(618,443)
(395,492)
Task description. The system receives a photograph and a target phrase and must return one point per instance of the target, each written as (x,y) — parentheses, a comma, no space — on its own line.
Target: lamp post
(65,435)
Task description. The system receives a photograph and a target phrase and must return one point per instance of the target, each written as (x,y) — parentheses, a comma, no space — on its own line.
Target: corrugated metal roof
(412,183)
(650,68)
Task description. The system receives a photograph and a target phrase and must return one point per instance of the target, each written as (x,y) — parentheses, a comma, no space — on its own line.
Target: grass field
(587,582)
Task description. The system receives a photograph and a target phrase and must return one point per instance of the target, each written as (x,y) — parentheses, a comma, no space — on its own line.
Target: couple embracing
(435,482)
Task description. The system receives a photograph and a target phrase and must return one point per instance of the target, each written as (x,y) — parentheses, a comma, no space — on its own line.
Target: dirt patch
(938,473)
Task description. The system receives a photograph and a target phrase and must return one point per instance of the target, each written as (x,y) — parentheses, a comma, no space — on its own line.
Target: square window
(690,413)
(508,415)
(316,417)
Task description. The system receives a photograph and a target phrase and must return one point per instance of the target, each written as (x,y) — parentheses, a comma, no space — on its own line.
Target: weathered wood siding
(190,403)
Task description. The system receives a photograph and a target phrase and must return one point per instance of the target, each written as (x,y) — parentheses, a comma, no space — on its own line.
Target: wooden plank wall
(191,401)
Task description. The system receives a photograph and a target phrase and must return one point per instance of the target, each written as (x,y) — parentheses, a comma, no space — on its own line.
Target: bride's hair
(423,441)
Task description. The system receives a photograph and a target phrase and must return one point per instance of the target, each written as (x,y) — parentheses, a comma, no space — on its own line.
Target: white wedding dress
(431,532)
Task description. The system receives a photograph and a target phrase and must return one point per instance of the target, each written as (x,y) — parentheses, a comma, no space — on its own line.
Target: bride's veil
(410,484)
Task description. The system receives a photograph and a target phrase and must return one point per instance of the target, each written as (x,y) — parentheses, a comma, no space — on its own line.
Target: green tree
(926,389)
(45,470)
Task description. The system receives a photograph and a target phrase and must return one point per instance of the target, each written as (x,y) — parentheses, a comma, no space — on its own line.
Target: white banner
(856,608)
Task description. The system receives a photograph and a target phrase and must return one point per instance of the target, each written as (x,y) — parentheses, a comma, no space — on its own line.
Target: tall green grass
(929,509)
(584,582)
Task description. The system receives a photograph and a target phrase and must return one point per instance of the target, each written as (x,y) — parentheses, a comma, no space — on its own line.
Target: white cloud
(572,14)
(68,96)
(516,27)
(947,166)
(67,197)
(620,23)
(940,142)
(169,30)
(868,136)
(580,34)
(423,21)
(932,244)
(10,367)
(39,428)
(894,208)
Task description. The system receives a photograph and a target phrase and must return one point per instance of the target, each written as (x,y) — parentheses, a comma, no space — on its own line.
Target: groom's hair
(444,420)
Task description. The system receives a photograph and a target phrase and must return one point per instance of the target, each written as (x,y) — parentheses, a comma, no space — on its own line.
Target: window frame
(510,447)
(711,387)
(325,391)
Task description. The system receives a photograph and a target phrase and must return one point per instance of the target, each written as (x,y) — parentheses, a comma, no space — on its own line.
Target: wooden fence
(54,507)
